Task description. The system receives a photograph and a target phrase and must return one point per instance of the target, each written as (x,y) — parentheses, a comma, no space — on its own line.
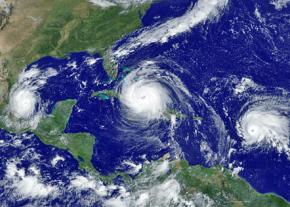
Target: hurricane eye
(259,124)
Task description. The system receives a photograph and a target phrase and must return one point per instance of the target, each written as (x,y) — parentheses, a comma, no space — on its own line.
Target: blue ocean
(240,58)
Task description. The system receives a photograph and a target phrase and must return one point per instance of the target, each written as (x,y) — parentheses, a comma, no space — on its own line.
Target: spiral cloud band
(24,101)
(149,91)
(266,122)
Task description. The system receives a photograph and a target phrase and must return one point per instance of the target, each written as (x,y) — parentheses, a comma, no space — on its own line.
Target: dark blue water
(31,152)
(215,55)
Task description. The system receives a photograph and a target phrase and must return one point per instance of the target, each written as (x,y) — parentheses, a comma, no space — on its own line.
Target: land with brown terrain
(38,28)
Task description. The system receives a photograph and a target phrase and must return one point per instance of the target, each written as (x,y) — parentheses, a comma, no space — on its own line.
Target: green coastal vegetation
(172,112)
(72,26)
(50,131)
(76,25)
(223,187)
(216,183)
(105,94)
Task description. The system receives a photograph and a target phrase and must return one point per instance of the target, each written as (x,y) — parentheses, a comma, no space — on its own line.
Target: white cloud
(208,153)
(237,170)
(162,168)
(5,6)
(24,102)
(265,123)
(280,4)
(244,85)
(166,193)
(134,168)
(143,199)
(202,200)
(28,185)
(56,159)
(103,3)
(110,3)
(115,202)
(160,194)
(83,183)
(147,92)
(258,15)
(91,61)
(203,10)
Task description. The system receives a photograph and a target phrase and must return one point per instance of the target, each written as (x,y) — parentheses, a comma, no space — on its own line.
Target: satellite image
(145,103)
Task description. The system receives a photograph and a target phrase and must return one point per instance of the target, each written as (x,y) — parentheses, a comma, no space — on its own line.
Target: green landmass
(197,118)
(50,131)
(71,26)
(172,112)
(105,94)
(217,183)
(75,25)
(223,187)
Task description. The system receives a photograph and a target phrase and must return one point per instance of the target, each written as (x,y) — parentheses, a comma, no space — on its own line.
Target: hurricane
(149,92)
(146,98)
(156,112)
(265,122)
(23,103)
(152,103)
(25,107)
(137,103)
